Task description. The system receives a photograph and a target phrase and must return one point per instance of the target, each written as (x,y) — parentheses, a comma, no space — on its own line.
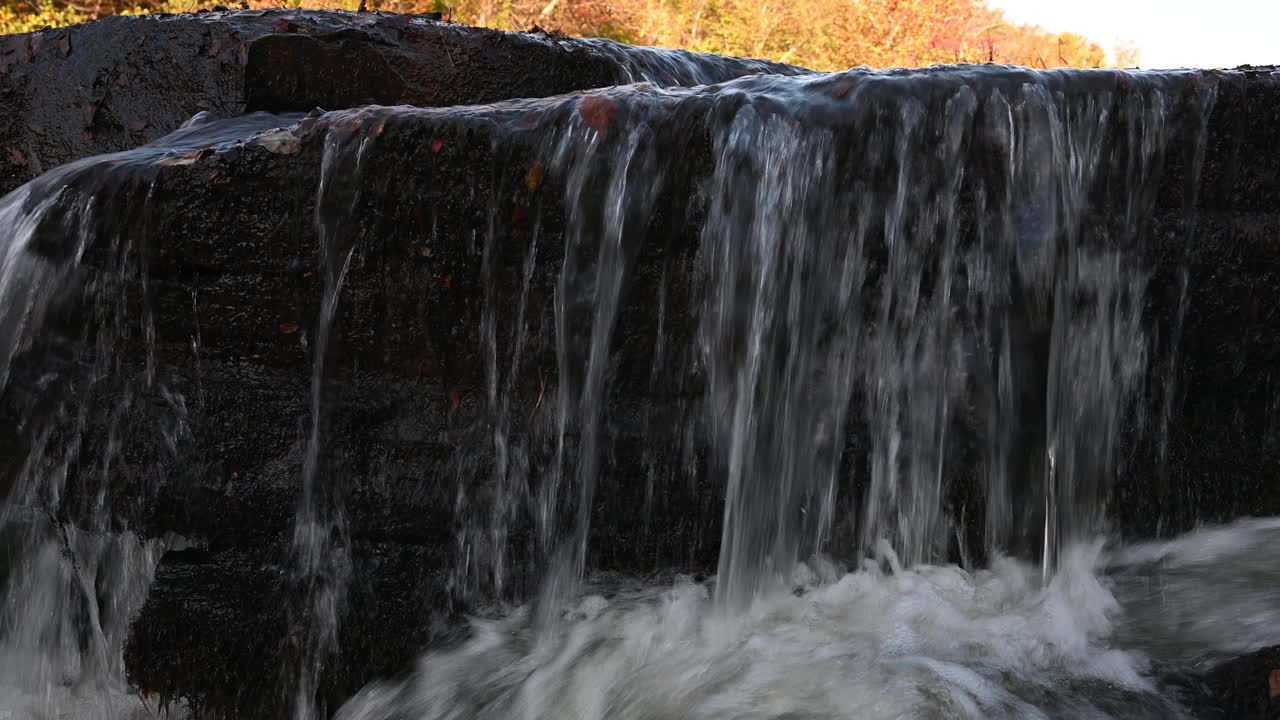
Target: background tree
(821,34)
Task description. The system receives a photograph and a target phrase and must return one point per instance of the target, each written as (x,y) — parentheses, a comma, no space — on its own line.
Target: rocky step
(119,82)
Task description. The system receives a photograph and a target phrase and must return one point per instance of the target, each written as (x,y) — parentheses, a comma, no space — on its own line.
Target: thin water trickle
(320,558)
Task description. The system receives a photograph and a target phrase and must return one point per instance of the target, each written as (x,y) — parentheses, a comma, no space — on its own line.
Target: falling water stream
(922,260)
(74,575)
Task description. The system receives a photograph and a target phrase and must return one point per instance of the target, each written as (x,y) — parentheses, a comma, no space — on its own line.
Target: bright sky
(1168,33)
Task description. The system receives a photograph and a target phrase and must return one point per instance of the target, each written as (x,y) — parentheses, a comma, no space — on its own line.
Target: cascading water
(78,574)
(321,563)
(924,258)
(914,336)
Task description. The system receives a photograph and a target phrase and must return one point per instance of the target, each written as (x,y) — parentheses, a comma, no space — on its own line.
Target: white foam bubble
(925,642)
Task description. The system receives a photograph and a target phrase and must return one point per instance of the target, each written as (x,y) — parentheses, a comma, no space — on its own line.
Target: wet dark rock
(235,621)
(118,82)
(1243,686)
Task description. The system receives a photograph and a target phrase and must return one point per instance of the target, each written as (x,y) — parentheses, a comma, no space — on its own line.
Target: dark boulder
(119,82)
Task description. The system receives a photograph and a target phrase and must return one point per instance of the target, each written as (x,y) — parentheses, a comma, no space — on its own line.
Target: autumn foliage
(821,34)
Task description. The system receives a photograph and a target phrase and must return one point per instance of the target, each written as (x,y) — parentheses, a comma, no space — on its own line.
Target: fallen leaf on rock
(289,328)
(533,179)
(436,146)
(279,142)
(185,158)
(16,157)
(447,281)
(1274,682)
(598,111)
(138,125)
(455,401)
(840,88)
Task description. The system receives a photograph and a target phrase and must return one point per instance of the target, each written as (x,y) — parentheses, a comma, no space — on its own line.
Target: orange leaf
(598,111)
(533,179)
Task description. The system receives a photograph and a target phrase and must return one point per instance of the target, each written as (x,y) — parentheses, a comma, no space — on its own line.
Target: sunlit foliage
(822,34)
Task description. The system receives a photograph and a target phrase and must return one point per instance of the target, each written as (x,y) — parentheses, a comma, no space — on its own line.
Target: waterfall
(887,333)
(77,354)
(921,257)
(320,561)
(942,271)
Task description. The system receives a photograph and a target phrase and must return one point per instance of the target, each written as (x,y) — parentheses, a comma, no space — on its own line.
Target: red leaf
(1274,682)
(840,88)
(447,281)
(436,146)
(17,158)
(455,401)
(598,111)
(289,328)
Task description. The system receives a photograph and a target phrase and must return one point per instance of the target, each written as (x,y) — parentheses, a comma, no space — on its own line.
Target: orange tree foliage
(821,34)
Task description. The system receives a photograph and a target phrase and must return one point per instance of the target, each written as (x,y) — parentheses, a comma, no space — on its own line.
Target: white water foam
(878,642)
(81,704)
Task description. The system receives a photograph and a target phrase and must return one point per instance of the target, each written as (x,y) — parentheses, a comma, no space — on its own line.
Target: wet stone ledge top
(119,82)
